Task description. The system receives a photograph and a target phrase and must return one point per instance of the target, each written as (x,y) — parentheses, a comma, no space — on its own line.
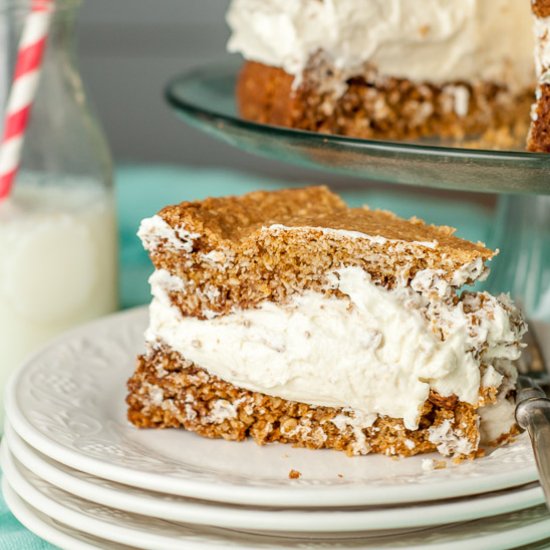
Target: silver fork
(533,407)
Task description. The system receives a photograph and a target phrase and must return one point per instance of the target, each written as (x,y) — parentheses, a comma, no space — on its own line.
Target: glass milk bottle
(58,242)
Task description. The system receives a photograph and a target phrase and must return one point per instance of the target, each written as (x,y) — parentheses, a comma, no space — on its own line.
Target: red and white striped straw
(23,90)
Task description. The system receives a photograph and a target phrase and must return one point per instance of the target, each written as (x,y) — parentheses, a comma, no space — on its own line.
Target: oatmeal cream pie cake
(539,134)
(287,316)
(390,69)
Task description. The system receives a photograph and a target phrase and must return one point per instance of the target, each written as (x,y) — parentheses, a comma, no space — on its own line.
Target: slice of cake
(287,316)
(392,69)
(539,133)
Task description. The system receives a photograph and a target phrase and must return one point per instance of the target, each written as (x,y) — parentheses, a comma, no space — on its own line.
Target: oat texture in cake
(288,317)
(539,133)
(394,69)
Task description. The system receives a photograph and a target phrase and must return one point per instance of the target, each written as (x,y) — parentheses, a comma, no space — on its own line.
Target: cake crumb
(428,464)
(424,30)
(294,474)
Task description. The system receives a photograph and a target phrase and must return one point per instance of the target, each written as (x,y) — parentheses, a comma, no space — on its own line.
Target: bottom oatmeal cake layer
(167,391)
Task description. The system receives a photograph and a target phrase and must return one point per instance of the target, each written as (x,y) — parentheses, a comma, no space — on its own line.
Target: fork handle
(533,414)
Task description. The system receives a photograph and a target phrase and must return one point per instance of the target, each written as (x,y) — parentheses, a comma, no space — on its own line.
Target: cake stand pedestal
(205,99)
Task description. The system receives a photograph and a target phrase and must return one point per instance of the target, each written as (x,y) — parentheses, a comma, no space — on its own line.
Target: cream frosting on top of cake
(374,351)
(436,41)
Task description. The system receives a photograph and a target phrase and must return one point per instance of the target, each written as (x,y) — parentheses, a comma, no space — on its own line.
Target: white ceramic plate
(498,533)
(50,530)
(67,537)
(199,512)
(68,402)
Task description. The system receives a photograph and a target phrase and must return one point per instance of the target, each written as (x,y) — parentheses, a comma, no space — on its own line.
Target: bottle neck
(61,51)
(61,31)
(62,27)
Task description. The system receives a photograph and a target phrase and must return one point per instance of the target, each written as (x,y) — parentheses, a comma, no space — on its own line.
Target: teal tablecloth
(143,190)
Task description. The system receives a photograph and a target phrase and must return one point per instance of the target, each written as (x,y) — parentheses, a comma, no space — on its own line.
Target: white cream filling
(437,41)
(372,352)
(496,419)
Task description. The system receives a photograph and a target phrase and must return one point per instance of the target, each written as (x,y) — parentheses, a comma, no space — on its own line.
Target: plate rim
(31,519)
(535,532)
(73,518)
(455,511)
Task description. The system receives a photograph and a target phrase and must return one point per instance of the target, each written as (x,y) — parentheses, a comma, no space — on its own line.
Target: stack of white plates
(77,474)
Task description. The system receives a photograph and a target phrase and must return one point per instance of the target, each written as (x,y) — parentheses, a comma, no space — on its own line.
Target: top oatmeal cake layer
(235,252)
(229,222)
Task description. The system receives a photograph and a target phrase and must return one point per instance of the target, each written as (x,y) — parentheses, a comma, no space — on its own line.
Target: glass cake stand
(205,99)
